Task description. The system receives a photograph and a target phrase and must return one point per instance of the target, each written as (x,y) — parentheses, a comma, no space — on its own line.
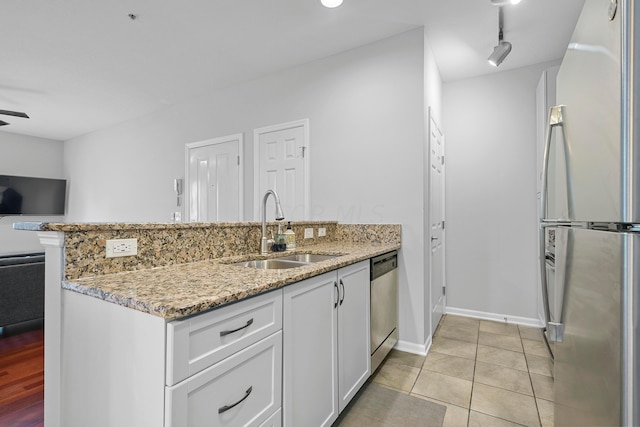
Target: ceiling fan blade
(3,123)
(14,113)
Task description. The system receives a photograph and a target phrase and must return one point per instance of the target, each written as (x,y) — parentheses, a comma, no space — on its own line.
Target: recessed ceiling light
(331,3)
(504,2)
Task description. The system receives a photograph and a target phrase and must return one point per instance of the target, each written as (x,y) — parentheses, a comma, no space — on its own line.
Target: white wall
(27,156)
(490,133)
(366,112)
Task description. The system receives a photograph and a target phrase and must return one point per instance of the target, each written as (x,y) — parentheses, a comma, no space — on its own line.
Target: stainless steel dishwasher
(384,306)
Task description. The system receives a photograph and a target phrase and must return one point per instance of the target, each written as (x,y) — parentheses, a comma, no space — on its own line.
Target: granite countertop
(181,290)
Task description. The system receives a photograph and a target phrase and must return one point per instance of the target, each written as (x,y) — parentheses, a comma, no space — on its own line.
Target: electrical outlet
(121,247)
(308,233)
(322,232)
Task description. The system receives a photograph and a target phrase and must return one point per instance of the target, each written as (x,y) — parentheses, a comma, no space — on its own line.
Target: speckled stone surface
(368,233)
(176,291)
(184,268)
(162,244)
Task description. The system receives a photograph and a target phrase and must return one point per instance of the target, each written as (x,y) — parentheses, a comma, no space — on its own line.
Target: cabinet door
(274,420)
(310,352)
(242,390)
(354,343)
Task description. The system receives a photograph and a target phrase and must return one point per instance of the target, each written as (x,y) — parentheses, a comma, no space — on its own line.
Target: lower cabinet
(326,345)
(242,390)
(294,356)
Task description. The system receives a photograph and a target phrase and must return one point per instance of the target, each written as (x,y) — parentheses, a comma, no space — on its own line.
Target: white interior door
(436,221)
(281,153)
(214,179)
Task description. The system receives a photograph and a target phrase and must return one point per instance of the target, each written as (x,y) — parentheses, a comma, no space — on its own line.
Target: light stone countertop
(181,290)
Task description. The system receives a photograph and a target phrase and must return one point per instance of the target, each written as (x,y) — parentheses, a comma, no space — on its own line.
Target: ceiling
(76,66)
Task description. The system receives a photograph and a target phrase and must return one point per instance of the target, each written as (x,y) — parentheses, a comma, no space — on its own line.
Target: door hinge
(443,224)
(443,159)
(238,160)
(444,291)
(303,150)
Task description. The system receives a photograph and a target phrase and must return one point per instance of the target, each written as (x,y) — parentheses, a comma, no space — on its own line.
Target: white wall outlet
(322,232)
(308,233)
(121,247)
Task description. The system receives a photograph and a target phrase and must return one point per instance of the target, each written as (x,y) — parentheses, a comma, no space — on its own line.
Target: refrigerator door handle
(555,119)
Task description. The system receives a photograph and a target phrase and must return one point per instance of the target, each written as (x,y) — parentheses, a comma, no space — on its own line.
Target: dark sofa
(21,290)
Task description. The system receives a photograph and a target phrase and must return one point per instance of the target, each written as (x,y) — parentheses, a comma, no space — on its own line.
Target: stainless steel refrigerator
(594,328)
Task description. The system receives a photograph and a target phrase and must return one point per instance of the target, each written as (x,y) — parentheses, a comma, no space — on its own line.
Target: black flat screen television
(21,195)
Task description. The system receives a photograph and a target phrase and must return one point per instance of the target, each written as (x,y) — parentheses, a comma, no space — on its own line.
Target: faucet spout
(279,217)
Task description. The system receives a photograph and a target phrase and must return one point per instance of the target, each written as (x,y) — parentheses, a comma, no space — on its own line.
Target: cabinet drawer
(201,341)
(242,390)
(274,420)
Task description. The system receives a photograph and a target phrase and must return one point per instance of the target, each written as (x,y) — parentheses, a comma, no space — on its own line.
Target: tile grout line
(526,361)
(473,378)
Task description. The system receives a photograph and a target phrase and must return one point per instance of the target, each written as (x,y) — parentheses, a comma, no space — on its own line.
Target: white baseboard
(525,321)
(423,349)
(410,347)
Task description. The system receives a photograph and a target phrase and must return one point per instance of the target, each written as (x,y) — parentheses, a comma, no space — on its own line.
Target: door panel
(354,351)
(310,355)
(436,223)
(587,359)
(282,165)
(589,87)
(214,177)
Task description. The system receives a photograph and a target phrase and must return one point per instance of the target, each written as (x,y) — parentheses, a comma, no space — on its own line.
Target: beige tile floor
(485,373)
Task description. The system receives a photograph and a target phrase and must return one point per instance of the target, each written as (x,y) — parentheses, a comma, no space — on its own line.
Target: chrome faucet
(279,216)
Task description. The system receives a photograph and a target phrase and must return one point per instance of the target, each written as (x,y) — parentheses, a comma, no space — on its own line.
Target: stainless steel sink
(308,258)
(287,261)
(271,264)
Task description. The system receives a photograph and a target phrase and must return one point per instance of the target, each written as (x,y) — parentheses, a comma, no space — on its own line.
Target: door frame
(304,123)
(236,137)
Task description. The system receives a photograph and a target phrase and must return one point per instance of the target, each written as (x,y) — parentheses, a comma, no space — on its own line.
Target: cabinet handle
(224,333)
(225,408)
(335,285)
(342,284)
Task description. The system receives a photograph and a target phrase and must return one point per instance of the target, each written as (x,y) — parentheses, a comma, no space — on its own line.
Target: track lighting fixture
(503,48)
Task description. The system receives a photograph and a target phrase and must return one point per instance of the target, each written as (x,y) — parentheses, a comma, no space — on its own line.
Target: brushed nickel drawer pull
(225,333)
(225,408)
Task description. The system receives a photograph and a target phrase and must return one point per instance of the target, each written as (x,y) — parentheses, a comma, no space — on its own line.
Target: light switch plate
(121,247)
(308,233)
(322,232)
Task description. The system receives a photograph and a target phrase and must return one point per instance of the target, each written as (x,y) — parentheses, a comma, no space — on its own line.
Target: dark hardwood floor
(22,379)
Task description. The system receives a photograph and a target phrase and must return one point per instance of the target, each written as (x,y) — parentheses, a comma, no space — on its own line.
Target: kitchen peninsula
(124,337)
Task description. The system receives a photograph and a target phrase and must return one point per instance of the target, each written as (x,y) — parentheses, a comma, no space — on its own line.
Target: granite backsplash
(162,244)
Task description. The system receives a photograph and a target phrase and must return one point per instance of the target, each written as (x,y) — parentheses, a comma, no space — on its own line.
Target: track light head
(500,52)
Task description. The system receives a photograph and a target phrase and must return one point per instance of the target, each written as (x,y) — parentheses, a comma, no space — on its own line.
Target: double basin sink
(288,261)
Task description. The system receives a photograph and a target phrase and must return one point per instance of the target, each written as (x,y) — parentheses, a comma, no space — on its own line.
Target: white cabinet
(326,345)
(125,368)
(224,368)
(354,332)
(294,356)
(242,390)
(200,341)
